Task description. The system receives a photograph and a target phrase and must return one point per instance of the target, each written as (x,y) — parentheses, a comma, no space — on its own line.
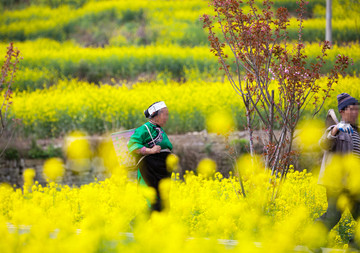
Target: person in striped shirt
(341,141)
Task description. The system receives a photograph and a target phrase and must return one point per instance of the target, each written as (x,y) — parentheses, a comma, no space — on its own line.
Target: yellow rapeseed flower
(29,175)
(334,172)
(315,235)
(206,167)
(77,146)
(78,151)
(220,122)
(250,166)
(343,202)
(309,133)
(54,169)
(352,173)
(172,163)
(164,188)
(107,154)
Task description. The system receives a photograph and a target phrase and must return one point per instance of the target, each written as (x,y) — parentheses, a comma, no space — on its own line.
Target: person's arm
(148,151)
(328,140)
(136,143)
(334,131)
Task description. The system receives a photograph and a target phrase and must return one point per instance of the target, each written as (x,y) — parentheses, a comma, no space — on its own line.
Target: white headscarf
(154,108)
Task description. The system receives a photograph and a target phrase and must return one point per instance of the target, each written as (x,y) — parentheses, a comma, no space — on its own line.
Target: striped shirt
(356,143)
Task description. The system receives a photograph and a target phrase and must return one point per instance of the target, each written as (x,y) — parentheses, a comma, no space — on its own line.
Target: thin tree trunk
(270,130)
(240,180)
(278,150)
(251,132)
(289,150)
(286,168)
(249,124)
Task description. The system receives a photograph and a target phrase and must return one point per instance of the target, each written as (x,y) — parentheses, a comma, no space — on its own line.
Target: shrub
(36,152)
(11,154)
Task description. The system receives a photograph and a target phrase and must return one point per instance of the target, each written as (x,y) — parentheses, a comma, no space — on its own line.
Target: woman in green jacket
(151,146)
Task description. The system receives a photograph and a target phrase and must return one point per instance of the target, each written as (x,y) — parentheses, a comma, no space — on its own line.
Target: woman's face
(162,117)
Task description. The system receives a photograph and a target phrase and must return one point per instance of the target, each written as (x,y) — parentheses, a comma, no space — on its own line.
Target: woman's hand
(149,151)
(156,149)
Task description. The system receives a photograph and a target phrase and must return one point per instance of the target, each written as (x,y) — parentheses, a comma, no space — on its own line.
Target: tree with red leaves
(268,72)
(8,71)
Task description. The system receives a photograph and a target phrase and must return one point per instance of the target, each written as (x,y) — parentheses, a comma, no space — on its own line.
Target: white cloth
(156,107)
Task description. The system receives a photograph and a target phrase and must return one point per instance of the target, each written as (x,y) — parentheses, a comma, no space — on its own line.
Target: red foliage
(8,71)
(258,41)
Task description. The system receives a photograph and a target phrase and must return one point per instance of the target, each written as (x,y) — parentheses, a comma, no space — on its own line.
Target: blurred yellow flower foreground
(203,214)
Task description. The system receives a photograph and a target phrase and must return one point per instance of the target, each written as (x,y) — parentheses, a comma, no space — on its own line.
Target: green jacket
(141,138)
